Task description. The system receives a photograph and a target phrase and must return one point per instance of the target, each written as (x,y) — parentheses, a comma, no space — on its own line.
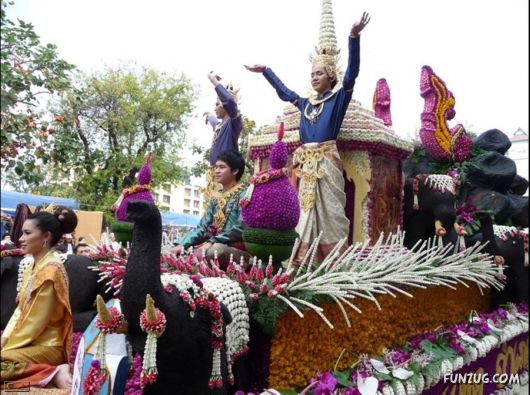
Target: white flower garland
(26,262)
(364,271)
(230,294)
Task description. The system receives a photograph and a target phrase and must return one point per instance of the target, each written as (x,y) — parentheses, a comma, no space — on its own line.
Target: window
(196,194)
(166,199)
(155,197)
(186,211)
(195,212)
(187,192)
(187,202)
(195,204)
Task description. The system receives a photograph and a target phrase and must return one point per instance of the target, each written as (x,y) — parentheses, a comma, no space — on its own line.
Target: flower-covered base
(300,347)
(265,242)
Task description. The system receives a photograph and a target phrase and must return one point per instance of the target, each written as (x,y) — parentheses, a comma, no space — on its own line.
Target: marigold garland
(136,189)
(301,346)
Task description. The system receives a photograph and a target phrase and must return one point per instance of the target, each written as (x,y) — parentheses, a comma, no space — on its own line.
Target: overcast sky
(478,47)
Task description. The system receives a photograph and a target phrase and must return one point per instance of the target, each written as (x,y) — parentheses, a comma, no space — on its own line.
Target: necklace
(220,217)
(315,112)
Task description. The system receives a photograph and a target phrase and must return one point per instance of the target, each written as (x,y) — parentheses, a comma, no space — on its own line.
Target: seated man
(220,228)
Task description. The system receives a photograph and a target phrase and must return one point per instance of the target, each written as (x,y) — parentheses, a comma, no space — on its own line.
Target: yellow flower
(301,346)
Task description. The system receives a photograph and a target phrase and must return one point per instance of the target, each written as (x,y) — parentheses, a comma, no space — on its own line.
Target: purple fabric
(213,121)
(327,125)
(487,364)
(228,136)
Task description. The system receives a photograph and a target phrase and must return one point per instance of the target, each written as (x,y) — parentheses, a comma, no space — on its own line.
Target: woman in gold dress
(36,343)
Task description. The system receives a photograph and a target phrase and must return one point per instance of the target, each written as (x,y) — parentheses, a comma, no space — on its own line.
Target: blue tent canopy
(182,220)
(11,199)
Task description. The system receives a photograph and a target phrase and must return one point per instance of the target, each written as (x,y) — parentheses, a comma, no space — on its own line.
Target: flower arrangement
(442,143)
(141,191)
(152,321)
(300,346)
(108,321)
(361,279)
(133,385)
(425,358)
(271,201)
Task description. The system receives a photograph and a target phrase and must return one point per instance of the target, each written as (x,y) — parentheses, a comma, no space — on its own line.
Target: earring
(44,244)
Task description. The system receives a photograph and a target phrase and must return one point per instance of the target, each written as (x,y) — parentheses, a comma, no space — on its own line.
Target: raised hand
(257,68)
(360,25)
(214,78)
(206,115)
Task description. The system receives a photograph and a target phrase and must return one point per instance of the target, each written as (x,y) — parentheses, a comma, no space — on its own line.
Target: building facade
(185,199)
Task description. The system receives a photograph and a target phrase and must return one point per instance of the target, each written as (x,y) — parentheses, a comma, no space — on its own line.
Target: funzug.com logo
(481,378)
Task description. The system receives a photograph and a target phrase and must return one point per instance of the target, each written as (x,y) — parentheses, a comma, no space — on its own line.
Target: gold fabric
(211,188)
(43,317)
(222,198)
(322,197)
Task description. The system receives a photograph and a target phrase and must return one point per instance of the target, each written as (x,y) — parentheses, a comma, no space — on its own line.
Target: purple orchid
(326,384)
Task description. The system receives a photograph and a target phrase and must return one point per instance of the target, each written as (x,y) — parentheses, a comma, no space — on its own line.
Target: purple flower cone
(274,205)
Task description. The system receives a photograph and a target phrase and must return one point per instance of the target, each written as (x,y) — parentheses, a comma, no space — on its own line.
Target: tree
(30,71)
(105,126)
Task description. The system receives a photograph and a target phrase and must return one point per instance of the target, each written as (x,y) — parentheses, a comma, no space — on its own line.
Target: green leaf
(343,377)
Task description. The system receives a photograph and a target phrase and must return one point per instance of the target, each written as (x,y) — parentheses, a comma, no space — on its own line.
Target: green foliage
(343,377)
(266,311)
(441,350)
(30,71)
(418,153)
(104,127)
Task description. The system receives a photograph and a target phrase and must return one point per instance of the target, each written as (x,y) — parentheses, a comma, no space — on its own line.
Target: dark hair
(234,160)
(63,220)
(80,245)
(21,214)
(5,234)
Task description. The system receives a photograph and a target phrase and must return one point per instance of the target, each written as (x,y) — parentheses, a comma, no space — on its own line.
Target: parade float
(381,316)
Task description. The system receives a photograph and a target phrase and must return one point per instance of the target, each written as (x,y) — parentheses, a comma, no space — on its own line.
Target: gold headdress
(52,207)
(326,53)
(233,91)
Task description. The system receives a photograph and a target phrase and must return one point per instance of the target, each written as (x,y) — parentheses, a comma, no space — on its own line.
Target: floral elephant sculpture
(187,359)
(429,209)
(510,247)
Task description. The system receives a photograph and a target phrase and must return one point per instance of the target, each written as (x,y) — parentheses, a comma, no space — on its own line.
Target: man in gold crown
(227,125)
(317,162)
